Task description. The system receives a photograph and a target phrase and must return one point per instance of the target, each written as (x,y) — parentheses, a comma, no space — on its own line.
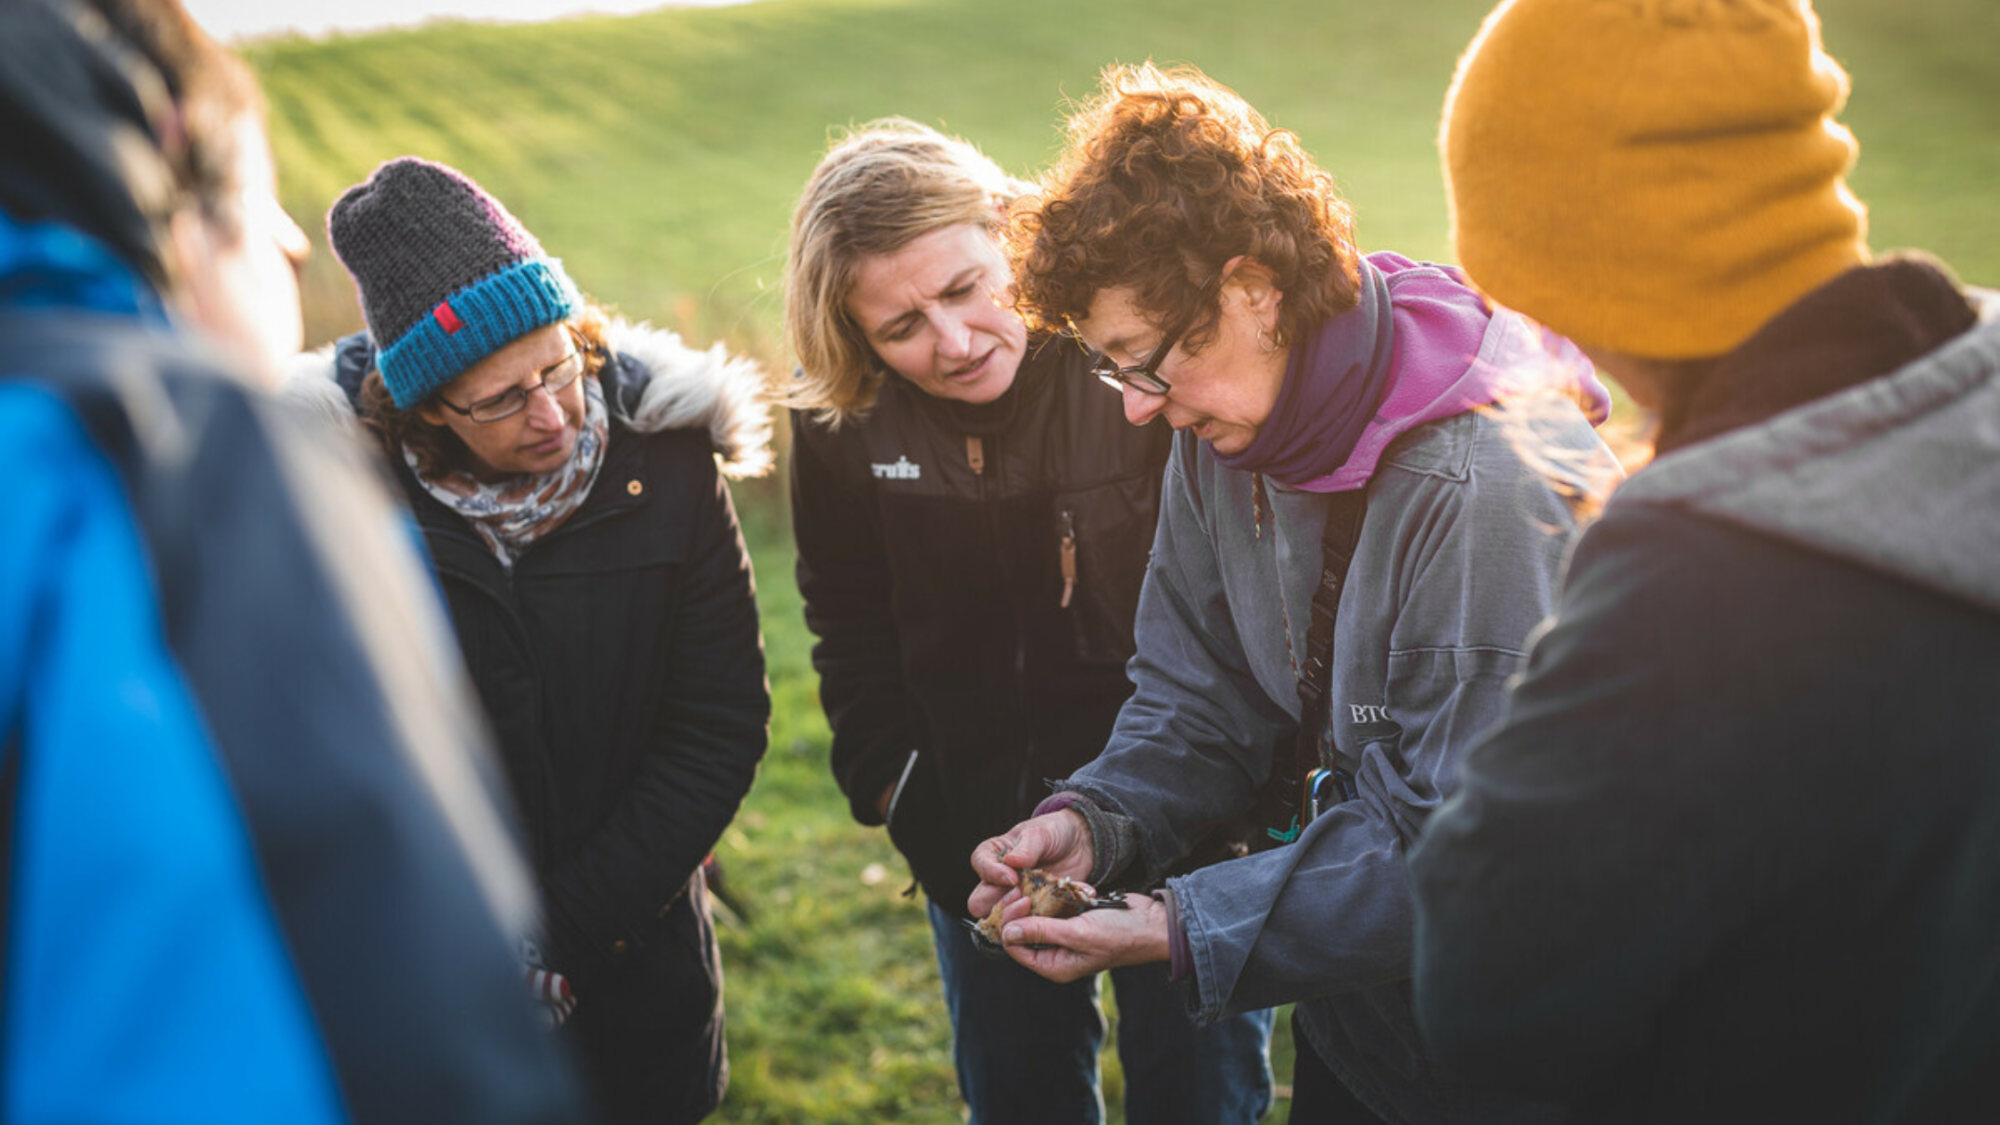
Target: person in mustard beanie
(1733,853)
(1679,181)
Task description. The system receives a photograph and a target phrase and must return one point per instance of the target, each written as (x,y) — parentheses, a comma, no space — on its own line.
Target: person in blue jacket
(252,867)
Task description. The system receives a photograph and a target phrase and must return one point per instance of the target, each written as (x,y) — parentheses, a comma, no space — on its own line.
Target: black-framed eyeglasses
(1145,377)
(554,379)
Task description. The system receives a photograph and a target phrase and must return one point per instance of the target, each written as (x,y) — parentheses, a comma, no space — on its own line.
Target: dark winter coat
(931,538)
(621,665)
(1733,853)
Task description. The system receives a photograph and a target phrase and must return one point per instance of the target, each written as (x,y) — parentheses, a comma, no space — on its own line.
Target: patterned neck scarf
(511,513)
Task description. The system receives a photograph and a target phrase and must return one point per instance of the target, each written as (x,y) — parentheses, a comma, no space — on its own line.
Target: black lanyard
(1302,779)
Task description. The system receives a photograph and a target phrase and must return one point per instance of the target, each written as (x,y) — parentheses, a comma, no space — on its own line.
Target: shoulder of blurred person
(269,574)
(309,385)
(308,861)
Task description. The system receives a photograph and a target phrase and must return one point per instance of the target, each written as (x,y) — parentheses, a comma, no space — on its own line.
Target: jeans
(1026,1047)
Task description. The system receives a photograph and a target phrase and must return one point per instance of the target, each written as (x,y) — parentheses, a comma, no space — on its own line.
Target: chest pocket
(600,596)
(1102,537)
(591,604)
(619,537)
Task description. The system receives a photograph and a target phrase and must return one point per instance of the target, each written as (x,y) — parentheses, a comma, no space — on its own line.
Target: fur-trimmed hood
(655,382)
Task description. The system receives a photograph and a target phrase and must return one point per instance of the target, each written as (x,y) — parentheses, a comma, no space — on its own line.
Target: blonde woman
(973,519)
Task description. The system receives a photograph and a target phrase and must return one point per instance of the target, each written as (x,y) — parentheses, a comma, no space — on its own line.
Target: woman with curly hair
(1372,485)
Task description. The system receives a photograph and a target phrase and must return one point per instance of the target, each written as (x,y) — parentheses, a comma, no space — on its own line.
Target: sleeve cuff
(1180,960)
(1114,838)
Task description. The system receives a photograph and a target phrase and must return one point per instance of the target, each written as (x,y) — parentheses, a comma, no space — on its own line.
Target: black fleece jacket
(932,537)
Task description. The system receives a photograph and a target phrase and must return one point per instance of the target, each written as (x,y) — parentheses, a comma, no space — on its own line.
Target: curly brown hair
(436,448)
(1168,175)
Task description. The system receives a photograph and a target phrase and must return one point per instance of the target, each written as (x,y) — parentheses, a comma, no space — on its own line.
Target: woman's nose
(545,409)
(954,338)
(1140,407)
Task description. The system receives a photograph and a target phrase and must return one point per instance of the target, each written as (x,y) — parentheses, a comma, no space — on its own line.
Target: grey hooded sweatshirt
(1734,851)
(1458,559)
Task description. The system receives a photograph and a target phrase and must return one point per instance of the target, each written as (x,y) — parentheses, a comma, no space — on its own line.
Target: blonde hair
(878,189)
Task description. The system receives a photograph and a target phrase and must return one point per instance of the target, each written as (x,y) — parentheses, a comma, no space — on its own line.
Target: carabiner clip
(1326,788)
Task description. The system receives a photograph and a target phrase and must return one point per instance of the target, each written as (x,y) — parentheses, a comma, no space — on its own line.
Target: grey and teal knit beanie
(445,274)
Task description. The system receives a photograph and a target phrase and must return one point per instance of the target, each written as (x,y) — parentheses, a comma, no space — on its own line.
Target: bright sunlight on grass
(659,156)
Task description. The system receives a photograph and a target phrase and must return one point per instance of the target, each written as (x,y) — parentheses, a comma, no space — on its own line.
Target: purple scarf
(1421,346)
(1333,382)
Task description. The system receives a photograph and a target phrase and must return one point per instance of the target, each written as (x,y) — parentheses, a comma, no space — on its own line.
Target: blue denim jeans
(1026,1047)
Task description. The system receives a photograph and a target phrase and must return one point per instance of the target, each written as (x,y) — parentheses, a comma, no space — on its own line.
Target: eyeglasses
(1145,377)
(554,379)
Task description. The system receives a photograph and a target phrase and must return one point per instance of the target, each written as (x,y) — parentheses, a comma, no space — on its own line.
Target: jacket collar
(1897,473)
(1861,325)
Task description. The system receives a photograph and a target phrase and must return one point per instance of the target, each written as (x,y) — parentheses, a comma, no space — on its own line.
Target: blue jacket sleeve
(263,822)
(145,972)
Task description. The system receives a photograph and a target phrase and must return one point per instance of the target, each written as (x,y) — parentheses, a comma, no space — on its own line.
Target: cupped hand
(1058,842)
(1067,949)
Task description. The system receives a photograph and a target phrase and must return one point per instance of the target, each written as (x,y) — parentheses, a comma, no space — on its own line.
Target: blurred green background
(660,154)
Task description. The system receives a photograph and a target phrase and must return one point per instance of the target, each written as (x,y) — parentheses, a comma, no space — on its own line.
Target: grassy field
(660,155)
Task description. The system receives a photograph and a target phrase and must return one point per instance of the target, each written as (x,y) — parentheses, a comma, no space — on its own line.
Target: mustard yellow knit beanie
(1651,177)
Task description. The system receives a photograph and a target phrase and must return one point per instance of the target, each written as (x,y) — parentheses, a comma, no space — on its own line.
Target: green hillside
(659,156)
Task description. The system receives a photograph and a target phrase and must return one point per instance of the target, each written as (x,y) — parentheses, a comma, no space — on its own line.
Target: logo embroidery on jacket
(901,469)
(1368,713)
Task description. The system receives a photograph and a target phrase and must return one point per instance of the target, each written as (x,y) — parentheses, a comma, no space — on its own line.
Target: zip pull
(1068,555)
(975,454)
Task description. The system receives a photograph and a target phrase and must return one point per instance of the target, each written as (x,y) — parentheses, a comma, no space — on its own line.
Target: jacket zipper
(510,618)
(975,458)
(1068,525)
(591,520)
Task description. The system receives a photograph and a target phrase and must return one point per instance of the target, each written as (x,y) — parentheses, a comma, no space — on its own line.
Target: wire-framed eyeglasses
(1145,377)
(554,379)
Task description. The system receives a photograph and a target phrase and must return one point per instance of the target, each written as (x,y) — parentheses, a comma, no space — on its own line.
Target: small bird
(1049,896)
